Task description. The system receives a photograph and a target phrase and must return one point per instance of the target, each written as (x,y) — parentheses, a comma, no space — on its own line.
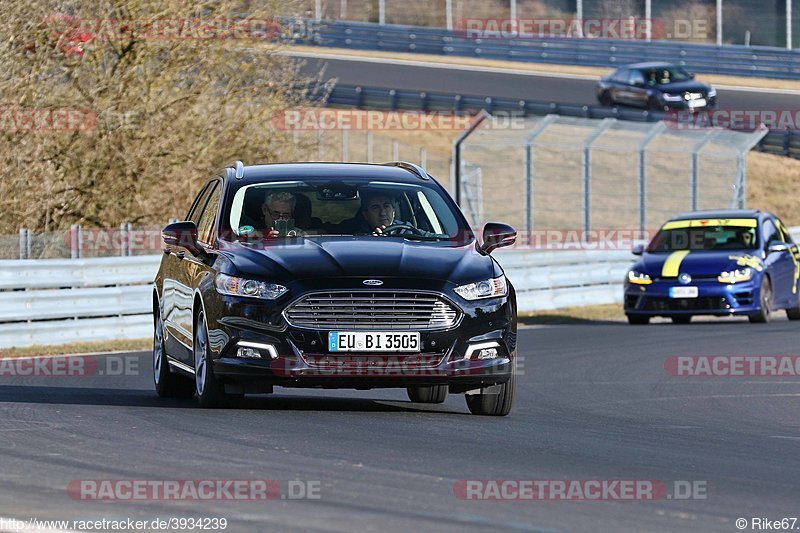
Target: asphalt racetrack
(569,89)
(594,402)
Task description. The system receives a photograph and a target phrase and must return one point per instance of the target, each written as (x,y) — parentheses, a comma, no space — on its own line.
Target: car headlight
(639,278)
(248,288)
(735,276)
(490,288)
(672,98)
(712,92)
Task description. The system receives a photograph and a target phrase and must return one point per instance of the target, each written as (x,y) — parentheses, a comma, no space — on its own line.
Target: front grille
(685,304)
(695,96)
(372,310)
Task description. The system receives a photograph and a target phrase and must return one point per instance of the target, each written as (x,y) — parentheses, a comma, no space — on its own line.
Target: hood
(378,257)
(693,86)
(705,264)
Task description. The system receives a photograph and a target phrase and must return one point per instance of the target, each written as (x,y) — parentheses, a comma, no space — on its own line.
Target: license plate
(372,341)
(683,292)
(697,103)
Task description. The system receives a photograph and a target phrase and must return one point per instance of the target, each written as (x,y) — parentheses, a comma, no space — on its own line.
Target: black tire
(605,99)
(494,404)
(638,320)
(765,299)
(793,313)
(681,319)
(432,394)
(168,385)
(209,391)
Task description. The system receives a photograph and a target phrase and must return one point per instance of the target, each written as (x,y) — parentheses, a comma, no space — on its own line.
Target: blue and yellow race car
(723,263)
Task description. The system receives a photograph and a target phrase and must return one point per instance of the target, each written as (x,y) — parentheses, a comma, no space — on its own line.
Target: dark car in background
(332,275)
(660,86)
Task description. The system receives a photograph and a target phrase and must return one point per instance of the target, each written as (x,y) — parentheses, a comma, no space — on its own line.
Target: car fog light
(483,351)
(487,353)
(253,350)
(249,353)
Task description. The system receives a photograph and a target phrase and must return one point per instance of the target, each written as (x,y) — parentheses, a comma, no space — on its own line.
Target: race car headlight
(490,288)
(712,92)
(735,276)
(639,278)
(672,98)
(248,288)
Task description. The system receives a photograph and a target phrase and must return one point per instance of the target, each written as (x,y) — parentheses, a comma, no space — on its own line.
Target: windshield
(690,235)
(311,208)
(665,75)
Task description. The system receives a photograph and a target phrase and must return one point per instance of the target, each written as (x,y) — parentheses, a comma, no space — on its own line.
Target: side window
(205,227)
(621,76)
(636,78)
(770,233)
(787,237)
(197,206)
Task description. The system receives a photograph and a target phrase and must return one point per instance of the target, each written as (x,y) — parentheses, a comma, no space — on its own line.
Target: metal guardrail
(778,142)
(733,60)
(57,301)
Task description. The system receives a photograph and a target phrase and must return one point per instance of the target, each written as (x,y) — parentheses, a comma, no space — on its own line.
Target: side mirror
(497,235)
(638,249)
(182,234)
(776,246)
(692,75)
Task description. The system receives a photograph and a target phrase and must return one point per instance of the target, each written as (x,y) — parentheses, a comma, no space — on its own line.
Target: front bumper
(689,105)
(714,298)
(301,358)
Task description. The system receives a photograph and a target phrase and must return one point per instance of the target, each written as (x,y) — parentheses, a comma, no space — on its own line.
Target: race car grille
(372,310)
(685,304)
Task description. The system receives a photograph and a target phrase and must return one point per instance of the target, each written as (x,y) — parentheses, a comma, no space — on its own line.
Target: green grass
(575,315)
(79,348)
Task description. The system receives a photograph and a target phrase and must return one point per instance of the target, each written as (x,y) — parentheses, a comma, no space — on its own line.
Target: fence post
(345,145)
(24,244)
(395,150)
(449,14)
(423,157)
(370,143)
(587,172)
(654,132)
(696,167)
(529,139)
(75,241)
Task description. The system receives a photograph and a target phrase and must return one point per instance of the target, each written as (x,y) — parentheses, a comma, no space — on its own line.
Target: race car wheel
(493,404)
(210,392)
(432,394)
(681,319)
(638,320)
(794,312)
(605,99)
(765,304)
(168,385)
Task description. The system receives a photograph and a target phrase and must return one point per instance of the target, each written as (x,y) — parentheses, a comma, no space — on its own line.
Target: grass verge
(79,348)
(574,315)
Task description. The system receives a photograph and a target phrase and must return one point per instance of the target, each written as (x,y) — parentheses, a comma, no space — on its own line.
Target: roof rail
(411,167)
(239,170)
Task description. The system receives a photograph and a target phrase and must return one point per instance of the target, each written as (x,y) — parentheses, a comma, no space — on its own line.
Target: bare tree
(118,111)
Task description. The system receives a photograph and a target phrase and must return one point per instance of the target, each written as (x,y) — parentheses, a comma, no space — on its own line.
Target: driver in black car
(378,211)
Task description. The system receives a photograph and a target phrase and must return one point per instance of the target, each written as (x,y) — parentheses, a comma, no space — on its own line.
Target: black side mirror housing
(497,235)
(181,234)
(638,249)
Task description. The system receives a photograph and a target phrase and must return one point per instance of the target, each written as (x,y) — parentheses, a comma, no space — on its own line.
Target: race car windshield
(312,208)
(709,238)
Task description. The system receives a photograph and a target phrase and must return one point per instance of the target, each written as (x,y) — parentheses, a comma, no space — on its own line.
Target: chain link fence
(566,173)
